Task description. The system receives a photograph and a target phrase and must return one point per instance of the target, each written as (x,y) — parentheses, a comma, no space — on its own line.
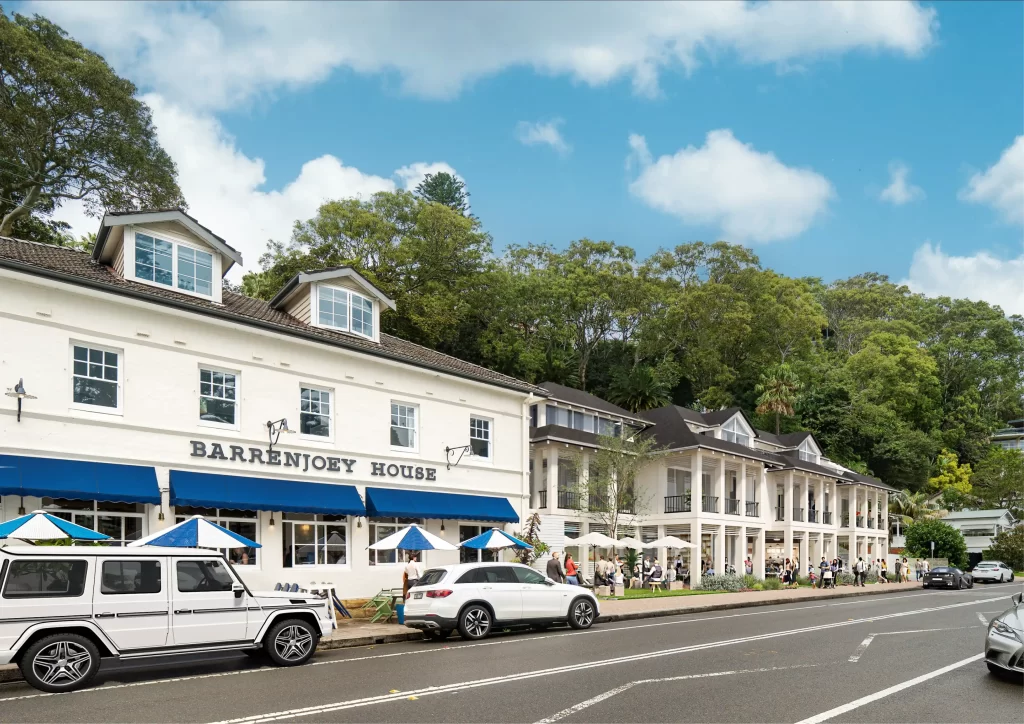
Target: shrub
(759,586)
(949,542)
(844,579)
(749,581)
(771,584)
(803,581)
(871,578)
(1008,547)
(727,582)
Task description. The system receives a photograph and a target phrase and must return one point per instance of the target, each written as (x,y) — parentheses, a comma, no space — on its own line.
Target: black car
(947,577)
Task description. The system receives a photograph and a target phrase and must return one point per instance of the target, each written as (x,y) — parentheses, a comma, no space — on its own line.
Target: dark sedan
(947,577)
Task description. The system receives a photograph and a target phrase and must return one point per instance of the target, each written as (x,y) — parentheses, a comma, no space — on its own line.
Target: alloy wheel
(583,613)
(477,622)
(293,643)
(62,663)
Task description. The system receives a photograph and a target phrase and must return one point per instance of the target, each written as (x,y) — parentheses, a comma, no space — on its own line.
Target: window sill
(171,288)
(218,425)
(316,439)
(77,406)
(405,450)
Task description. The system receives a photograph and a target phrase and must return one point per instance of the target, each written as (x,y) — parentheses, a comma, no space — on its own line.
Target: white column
(696,486)
(583,476)
(741,555)
(721,487)
(766,504)
(805,498)
(552,480)
(787,543)
(719,550)
(759,555)
(695,553)
(743,496)
(804,554)
(787,506)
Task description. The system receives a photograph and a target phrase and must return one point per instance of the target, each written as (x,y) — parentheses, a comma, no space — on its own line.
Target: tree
(530,534)
(949,542)
(638,390)
(71,129)
(444,188)
(1008,547)
(952,480)
(998,480)
(908,508)
(777,393)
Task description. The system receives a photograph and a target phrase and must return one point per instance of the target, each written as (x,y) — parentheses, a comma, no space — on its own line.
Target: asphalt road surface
(907,657)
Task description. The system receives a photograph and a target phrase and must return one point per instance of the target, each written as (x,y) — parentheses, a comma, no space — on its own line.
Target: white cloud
(1002,185)
(751,195)
(900,191)
(224,187)
(981,277)
(544,133)
(217,55)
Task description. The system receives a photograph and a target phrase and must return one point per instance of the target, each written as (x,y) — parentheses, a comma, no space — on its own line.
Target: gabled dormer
(730,424)
(166,249)
(339,299)
(809,451)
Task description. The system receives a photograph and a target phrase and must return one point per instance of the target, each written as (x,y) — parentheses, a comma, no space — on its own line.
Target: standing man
(899,571)
(555,572)
(824,567)
(917,569)
(411,574)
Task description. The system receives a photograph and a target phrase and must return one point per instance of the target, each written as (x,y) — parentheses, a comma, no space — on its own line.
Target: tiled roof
(585,399)
(563,434)
(77,267)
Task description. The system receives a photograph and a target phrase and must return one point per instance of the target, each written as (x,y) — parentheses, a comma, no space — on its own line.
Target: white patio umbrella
(196,532)
(413,538)
(599,540)
(628,542)
(670,541)
(40,525)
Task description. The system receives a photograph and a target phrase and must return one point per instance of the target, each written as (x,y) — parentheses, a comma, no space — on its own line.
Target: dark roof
(566,434)
(717,417)
(76,267)
(671,431)
(331,272)
(101,236)
(853,477)
(585,399)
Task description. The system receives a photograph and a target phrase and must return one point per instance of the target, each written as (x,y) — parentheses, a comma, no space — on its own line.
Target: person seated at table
(656,573)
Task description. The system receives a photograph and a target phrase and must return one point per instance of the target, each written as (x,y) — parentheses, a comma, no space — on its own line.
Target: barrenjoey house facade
(155,395)
(721,484)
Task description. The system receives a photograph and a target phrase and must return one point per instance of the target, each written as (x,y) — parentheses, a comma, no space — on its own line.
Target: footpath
(359,632)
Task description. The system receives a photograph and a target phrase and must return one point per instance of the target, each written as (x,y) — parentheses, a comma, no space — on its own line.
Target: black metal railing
(812,516)
(543,498)
(826,517)
(778,513)
(798,514)
(597,503)
(753,509)
(709,504)
(628,506)
(732,506)
(569,500)
(881,523)
(677,504)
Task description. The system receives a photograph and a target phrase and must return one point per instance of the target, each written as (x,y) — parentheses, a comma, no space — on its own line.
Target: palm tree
(777,393)
(638,390)
(907,507)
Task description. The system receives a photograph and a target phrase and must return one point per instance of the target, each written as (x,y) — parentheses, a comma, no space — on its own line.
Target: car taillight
(441,593)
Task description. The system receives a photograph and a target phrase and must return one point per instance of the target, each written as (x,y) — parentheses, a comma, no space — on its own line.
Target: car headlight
(1003,630)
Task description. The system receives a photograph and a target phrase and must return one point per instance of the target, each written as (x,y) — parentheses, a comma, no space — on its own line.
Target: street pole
(933,549)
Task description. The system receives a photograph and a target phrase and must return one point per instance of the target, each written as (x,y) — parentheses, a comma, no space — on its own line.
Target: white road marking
(982,618)
(473,684)
(514,640)
(867,642)
(626,687)
(832,713)
(860,649)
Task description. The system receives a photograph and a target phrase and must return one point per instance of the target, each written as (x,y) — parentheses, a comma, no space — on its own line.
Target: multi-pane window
(154,259)
(403,425)
(195,270)
(473,555)
(189,270)
(381,528)
(121,521)
(585,421)
(345,310)
(218,397)
(243,522)
(96,377)
(480,437)
(315,412)
(315,540)
(806,453)
(678,482)
(733,431)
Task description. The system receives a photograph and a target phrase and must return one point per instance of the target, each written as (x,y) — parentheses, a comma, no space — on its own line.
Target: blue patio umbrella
(413,538)
(39,525)
(196,532)
(495,539)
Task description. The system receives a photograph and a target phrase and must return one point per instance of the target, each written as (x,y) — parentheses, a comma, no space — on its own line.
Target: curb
(12,673)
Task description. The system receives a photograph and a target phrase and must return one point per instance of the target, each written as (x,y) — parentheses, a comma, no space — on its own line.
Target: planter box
(602,591)
(676,586)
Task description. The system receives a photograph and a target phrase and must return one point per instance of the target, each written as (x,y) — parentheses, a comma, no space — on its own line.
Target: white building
(979,528)
(760,495)
(158,395)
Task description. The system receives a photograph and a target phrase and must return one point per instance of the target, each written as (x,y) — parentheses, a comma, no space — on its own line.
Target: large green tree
(71,129)
(444,188)
(998,480)
(949,542)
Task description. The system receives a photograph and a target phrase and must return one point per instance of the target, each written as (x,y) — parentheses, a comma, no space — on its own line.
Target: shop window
(243,522)
(46,579)
(480,437)
(470,555)
(403,426)
(96,378)
(315,412)
(314,540)
(123,522)
(218,397)
(381,528)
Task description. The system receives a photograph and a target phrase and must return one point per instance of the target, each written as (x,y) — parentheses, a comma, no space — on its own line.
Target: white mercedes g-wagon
(63,608)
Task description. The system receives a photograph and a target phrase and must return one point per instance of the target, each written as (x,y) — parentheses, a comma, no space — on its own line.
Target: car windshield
(942,569)
(431,577)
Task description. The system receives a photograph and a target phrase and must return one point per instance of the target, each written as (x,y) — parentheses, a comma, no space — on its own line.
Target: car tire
(582,613)
(970,583)
(291,642)
(475,622)
(61,662)
(437,634)
(960,584)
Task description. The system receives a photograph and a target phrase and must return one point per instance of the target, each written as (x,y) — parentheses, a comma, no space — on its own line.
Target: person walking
(885,570)
(555,571)
(917,569)
(571,576)
(858,572)
(823,566)
(899,571)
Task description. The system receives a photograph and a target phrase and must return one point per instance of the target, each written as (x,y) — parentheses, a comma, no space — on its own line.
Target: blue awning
(388,503)
(78,480)
(209,490)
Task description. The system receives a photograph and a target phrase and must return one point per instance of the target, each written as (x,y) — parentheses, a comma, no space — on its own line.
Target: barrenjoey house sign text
(305,461)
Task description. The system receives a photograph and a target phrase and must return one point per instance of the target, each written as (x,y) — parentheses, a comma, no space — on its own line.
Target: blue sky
(813,110)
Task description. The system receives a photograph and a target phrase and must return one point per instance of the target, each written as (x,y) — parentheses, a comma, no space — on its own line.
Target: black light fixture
(274,430)
(271,521)
(442,526)
(19,391)
(461,450)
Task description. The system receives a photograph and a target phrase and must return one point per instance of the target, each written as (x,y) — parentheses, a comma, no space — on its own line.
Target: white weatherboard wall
(162,350)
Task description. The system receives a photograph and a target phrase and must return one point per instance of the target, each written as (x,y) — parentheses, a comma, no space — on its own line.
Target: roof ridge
(45,244)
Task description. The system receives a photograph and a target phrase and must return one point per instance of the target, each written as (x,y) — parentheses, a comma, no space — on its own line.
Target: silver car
(993,572)
(1004,645)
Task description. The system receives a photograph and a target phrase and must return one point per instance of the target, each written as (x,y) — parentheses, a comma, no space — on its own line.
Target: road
(907,657)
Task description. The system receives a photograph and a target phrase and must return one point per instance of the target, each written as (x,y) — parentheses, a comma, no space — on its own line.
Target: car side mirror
(238,589)
(548,582)
(1017,598)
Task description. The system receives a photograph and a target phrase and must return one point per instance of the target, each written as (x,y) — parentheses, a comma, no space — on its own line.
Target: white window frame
(489,457)
(401,557)
(807,452)
(733,429)
(352,295)
(415,429)
(119,410)
(314,520)
(95,513)
(175,241)
(238,397)
(329,438)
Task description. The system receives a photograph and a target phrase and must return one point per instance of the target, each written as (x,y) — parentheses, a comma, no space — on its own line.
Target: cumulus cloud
(1002,185)
(981,277)
(544,133)
(225,188)
(751,195)
(216,55)
(900,191)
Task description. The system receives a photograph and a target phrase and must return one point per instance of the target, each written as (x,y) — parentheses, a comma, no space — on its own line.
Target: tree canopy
(949,542)
(444,188)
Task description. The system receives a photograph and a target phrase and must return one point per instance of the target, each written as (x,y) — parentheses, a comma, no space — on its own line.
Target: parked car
(947,577)
(477,598)
(1004,645)
(62,609)
(992,571)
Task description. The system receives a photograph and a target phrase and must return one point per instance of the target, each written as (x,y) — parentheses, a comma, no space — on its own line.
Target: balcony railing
(826,517)
(543,498)
(798,514)
(732,506)
(628,507)
(569,500)
(846,520)
(709,504)
(753,509)
(812,516)
(778,514)
(677,504)
(597,503)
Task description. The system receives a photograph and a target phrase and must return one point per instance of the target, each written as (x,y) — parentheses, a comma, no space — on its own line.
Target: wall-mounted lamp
(21,506)
(161,515)
(359,522)
(274,430)
(271,521)
(19,391)
(442,526)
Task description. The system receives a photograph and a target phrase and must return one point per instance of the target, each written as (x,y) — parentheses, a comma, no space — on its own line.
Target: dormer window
(807,452)
(345,310)
(172,264)
(734,431)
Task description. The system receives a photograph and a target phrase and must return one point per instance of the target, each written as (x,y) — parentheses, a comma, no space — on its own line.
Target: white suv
(476,598)
(993,571)
(63,608)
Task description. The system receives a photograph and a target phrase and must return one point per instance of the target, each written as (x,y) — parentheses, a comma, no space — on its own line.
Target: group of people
(609,571)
